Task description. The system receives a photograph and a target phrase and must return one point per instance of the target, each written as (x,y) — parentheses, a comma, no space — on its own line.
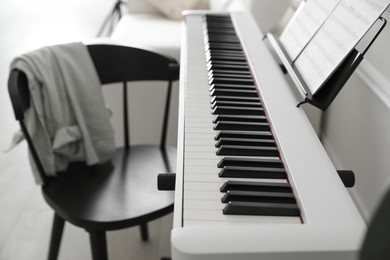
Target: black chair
(121,192)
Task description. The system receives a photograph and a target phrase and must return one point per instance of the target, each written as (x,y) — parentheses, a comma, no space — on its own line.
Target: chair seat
(107,196)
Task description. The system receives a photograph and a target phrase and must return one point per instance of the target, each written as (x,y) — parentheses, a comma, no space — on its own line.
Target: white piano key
(202,169)
(202,162)
(193,177)
(200,148)
(220,181)
(208,136)
(203,186)
(200,118)
(204,142)
(200,155)
(203,205)
(197,124)
(217,215)
(188,126)
(211,223)
(204,195)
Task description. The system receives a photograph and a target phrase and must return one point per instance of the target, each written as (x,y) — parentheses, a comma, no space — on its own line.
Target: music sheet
(303,27)
(339,34)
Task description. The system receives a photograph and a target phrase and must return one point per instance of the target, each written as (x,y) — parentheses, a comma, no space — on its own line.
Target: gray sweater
(68,120)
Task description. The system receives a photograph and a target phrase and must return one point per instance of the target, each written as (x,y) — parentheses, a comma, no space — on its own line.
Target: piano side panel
(177,214)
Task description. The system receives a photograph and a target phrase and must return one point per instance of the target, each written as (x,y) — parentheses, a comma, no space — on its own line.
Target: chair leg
(56,236)
(144,231)
(98,245)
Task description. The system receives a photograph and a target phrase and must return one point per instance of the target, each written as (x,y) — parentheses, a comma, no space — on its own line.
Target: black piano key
(252,172)
(216,55)
(217,27)
(222,35)
(241,75)
(218,17)
(232,82)
(259,196)
(241,126)
(237,81)
(218,23)
(261,209)
(228,53)
(235,103)
(236,118)
(223,57)
(233,110)
(229,86)
(230,72)
(211,56)
(214,24)
(255,186)
(223,46)
(218,20)
(233,79)
(233,92)
(222,29)
(223,38)
(229,66)
(243,134)
(233,98)
(250,162)
(237,150)
(245,142)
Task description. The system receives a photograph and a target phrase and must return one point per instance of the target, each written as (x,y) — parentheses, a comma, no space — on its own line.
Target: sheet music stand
(328,92)
(113,16)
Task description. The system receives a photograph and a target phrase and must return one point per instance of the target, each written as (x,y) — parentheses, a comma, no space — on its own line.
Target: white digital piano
(253,180)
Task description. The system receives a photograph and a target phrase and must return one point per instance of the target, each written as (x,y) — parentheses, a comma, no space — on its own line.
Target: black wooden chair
(122,192)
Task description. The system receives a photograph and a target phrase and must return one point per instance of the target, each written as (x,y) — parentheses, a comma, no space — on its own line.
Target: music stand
(323,98)
(114,15)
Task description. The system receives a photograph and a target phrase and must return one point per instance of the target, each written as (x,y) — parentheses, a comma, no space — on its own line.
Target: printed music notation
(303,27)
(338,34)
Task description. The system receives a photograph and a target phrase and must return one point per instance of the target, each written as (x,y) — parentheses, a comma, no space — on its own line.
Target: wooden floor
(25,219)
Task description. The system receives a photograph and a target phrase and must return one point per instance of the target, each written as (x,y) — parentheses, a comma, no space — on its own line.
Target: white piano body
(330,226)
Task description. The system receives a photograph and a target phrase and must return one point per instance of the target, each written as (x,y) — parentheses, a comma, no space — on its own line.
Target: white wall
(356,131)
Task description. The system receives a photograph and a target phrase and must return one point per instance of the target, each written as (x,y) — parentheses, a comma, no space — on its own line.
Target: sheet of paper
(343,29)
(303,27)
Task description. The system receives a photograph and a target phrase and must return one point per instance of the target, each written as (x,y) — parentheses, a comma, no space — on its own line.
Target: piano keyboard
(252,178)
(241,131)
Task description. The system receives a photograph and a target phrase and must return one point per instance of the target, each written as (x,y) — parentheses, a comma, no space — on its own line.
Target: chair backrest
(20,100)
(113,64)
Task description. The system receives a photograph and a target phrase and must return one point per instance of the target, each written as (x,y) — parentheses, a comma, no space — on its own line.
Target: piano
(253,180)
